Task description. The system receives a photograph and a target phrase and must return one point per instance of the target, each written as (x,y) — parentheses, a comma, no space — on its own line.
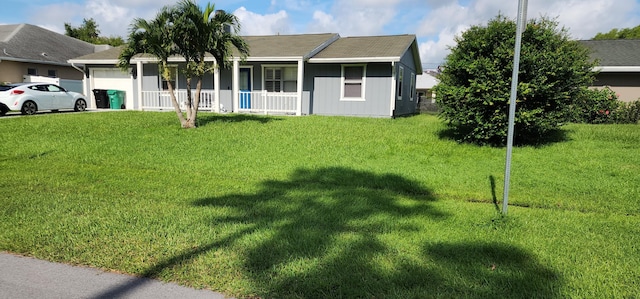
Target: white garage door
(114,79)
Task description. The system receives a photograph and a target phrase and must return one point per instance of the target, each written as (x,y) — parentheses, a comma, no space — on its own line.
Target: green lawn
(324,207)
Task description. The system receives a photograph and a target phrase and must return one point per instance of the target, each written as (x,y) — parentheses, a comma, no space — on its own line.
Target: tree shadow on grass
(208,118)
(335,233)
(342,233)
(490,270)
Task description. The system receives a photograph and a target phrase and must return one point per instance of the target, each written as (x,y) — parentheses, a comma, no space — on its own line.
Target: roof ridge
(14,32)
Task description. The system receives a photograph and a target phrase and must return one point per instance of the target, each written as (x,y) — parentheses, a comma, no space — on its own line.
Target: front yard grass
(324,207)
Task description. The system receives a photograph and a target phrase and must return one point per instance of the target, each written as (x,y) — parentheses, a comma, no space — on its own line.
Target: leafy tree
(626,33)
(189,31)
(89,32)
(474,87)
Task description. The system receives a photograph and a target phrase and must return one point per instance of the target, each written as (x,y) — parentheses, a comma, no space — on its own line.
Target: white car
(29,98)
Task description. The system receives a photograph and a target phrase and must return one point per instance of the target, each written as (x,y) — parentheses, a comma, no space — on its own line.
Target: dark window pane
(353,90)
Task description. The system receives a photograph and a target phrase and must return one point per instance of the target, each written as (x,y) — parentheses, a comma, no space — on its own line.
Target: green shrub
(594,106)
(474,88)
(628,113)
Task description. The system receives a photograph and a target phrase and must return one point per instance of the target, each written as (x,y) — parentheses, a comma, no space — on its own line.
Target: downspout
(392,106)
(84,79)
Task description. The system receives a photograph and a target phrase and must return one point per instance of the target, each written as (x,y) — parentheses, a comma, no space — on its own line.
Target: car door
(41,96)
(61,99)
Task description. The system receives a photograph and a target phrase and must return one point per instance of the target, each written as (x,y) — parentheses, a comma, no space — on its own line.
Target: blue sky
(434,22)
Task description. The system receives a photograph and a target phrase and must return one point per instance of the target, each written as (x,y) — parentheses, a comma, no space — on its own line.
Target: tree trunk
(176,106)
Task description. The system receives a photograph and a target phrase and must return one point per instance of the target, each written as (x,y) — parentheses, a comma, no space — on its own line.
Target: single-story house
(285,74)
(618,66)
(31,53)
(425,83)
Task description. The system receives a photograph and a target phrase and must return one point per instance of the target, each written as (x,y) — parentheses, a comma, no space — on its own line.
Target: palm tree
(193,33)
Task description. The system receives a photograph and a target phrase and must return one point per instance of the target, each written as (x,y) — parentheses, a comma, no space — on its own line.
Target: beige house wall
(12,71)
(626,85)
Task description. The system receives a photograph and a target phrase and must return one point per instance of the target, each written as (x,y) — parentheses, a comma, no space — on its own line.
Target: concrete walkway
(25,277)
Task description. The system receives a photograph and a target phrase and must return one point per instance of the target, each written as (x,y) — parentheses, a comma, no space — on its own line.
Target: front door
(245,88)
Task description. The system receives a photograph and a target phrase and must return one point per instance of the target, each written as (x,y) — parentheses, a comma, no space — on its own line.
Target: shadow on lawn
(341,233)
(554,136)
(208,118)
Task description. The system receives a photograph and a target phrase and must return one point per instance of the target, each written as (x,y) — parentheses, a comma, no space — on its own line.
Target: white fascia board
(617,69)
(278,59)
(81,61)
(354,60)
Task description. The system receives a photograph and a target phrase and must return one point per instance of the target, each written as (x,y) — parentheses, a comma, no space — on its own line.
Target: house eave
(276,59)
(100,62)
(15,59)
(617,69)
(354,59)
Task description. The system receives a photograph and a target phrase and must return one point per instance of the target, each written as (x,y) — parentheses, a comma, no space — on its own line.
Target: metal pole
(521,24)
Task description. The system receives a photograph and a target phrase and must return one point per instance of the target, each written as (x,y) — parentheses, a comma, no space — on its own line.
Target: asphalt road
(25,277)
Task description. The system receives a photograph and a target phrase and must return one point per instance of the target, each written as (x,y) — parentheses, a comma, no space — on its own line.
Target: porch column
(139,77)
(299,87)
(236,86)
(216,87)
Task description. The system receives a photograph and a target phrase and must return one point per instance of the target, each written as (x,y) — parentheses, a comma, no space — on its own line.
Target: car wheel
(81,105)
(29,108)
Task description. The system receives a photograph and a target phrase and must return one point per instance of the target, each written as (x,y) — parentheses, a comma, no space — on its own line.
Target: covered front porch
(253,87)
(249,101)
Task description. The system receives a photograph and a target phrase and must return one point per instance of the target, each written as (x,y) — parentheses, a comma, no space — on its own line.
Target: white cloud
(582,18)
(355,17)
(257,24)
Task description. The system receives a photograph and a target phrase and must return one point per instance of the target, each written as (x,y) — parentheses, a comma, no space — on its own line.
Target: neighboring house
(424,85)
(28,51)
(618,66)
(283,74)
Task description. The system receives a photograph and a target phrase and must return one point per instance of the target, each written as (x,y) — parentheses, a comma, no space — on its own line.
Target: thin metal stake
(521,24)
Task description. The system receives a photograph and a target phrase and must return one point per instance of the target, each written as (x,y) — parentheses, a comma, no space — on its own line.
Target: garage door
(114,79)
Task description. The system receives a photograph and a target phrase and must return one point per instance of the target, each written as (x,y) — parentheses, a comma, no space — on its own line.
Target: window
(413,86)
(400,82)
(32,71)
(278,79)
(52,73)
(173,72)
(353,82)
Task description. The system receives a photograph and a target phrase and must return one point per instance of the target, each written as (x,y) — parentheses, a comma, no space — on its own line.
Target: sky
(434,22)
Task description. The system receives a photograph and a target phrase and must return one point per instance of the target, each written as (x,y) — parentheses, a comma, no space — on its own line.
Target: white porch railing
(268,102)
(160,100)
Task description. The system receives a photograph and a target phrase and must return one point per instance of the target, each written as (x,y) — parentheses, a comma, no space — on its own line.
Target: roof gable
(29,43)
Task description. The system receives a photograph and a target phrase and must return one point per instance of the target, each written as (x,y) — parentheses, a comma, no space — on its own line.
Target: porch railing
(161,100)
(268,102)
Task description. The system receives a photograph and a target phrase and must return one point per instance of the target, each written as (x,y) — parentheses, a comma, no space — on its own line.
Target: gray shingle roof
(300,45)
(619,52)
(326,45)
(368,47)
(29,43)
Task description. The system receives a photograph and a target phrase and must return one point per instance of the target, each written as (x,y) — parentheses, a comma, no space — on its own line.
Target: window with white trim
(413,86)
(353,82)
(400,82)
(281,79)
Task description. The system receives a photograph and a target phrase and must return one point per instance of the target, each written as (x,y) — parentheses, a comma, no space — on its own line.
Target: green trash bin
(116,98)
